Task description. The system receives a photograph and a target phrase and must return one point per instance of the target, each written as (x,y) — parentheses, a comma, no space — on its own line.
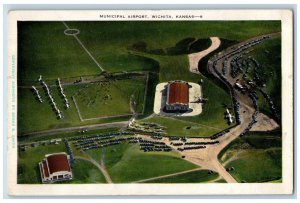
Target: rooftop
(58,162)
(178,92)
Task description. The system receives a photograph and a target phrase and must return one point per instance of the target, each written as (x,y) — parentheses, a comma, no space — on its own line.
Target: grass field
(44,49)
(28,139)
(245,153)
(183,128)
(85,172)
(29,173)
(108,43)
(35,116)
(111,99)
(201,176)
(126,163)
(248,170)
(28,169)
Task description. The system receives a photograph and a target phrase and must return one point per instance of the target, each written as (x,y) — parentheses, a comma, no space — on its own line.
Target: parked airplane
(229,116)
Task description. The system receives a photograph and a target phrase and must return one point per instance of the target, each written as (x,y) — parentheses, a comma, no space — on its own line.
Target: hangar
(55,167)
(177,96)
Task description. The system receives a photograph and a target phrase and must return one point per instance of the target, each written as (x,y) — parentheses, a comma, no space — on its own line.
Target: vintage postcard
(150,102)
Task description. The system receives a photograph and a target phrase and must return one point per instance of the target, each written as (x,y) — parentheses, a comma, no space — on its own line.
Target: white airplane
(239,85)
(229,116)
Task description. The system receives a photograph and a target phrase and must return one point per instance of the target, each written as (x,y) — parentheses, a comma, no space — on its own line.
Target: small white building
(55,167)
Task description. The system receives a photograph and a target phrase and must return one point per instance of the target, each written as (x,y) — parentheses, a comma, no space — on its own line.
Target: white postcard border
(286,187)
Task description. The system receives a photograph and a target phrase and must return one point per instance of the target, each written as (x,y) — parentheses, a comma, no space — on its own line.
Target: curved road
(208,158)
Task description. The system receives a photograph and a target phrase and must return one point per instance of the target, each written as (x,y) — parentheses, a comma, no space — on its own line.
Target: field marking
(86,50)
(76,32)
(145,95)
(88,119)
(78,111)
(116,116)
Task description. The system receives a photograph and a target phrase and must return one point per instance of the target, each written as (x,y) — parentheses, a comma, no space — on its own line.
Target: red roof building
(178,96)
(55,167)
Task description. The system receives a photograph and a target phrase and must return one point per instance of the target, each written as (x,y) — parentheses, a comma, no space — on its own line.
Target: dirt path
(100,167)
(264,123)
(207,158)
(72,129)
(169,175)
(196,57)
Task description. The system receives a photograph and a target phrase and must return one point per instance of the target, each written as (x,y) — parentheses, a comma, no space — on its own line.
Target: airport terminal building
(177,96)
(55,167)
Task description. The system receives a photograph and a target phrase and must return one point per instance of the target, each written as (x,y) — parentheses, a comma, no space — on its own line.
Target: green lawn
(108,42)
(126,163)
(29,173)
(86,172)
(106,36)
(182,127)
(256,157)
(111,99)
(45,50)
(213,110)
(36,116)
(257,166)
(263,140)
(26,139)
(28,169)
(201,176)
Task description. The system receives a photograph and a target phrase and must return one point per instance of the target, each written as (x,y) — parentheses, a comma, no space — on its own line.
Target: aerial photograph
(149,102)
